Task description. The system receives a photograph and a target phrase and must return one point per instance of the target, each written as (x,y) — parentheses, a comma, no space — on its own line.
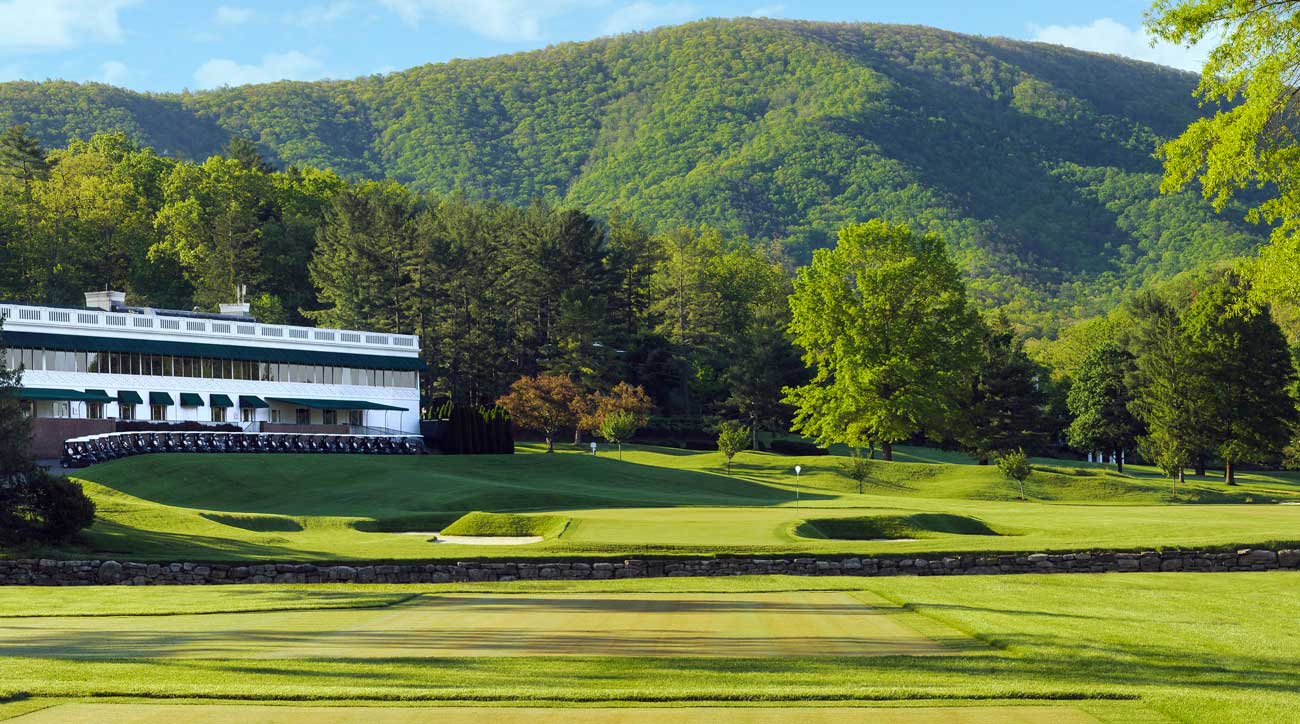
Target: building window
(302,416)
(330,417)
(275,416)
(247,414)
(94,410)
(356,418)
(218,414)
(157,412)
(29,408)
(125,411)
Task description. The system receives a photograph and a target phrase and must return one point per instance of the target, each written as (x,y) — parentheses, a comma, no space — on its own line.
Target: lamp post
(797,469)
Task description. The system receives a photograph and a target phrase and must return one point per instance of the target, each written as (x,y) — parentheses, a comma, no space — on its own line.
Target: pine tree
(1005,411)
(1099,401)
(247,154)
(23,158)
(1169,388)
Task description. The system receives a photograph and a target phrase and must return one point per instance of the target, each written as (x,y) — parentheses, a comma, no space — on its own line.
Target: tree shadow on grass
(368,487)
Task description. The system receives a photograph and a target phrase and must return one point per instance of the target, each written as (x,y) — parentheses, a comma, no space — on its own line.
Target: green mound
(884,527)
(506,524)
(256,523)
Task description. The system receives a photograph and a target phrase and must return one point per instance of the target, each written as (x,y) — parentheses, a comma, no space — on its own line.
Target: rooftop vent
(105,300)
(236,310)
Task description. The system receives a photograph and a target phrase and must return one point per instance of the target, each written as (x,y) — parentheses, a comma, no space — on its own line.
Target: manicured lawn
(1192,647)
(288,507)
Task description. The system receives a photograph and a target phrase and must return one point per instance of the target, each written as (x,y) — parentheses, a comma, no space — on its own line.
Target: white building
(87,370)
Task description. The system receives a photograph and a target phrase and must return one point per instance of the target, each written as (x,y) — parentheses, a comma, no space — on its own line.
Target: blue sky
(169,45)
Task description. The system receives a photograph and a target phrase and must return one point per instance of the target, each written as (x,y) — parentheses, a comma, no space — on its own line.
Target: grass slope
(252,507)
(507,524)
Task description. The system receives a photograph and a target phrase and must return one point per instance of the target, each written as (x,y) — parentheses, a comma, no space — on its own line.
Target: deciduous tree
(1248,374)
(1249,141)
(1014,465)
(1099,401)
(619,427)
(544,403)
(733,438)
(886,329)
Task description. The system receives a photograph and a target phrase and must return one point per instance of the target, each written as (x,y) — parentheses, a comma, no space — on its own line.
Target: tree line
(877,341)
(695,317)
(1200,373)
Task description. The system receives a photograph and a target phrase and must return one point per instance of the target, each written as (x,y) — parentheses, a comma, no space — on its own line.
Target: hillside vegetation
(1034,161)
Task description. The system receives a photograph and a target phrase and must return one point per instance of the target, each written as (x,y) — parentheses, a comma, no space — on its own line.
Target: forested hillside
(1035,162)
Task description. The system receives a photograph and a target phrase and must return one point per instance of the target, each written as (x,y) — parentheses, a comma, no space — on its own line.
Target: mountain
(1034,161)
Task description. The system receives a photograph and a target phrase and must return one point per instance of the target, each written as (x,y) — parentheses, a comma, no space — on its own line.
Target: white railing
(92,319)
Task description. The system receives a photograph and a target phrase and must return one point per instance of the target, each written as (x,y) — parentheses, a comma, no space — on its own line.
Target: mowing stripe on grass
(219,714)
(817,623)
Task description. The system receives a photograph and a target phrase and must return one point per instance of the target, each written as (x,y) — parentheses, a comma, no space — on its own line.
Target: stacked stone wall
(49,572)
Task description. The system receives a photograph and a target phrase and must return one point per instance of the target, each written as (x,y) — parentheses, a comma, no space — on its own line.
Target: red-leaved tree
(544,402)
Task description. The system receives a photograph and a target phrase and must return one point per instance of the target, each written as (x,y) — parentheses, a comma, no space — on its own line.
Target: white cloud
(276,66)
(510,20)
(1109,36)
(321,14)
(768,11)
(27,25)
(112,72)
(643,15)
(230,15)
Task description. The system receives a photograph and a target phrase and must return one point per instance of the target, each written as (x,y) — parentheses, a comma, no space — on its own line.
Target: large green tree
(1099,400)
(886,329)
(1248,373)
(1249,142)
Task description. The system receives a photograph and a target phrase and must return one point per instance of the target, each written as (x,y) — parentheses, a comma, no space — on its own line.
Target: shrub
(1015,466)
(796,447)
(44,508)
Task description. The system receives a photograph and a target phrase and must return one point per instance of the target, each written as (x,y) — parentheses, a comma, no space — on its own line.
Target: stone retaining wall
(46,572)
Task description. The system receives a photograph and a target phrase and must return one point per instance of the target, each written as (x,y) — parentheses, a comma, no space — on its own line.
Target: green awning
(49,393)
(256,403)
(99,396)
(335,404)
(190,399)
(160,398)
(262,353)
(129,397)
(220,401)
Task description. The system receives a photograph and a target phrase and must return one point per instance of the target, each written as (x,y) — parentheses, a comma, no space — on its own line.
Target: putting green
(206,714)
(809,623)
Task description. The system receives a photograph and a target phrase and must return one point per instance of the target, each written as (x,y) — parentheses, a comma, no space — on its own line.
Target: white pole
(797,469)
